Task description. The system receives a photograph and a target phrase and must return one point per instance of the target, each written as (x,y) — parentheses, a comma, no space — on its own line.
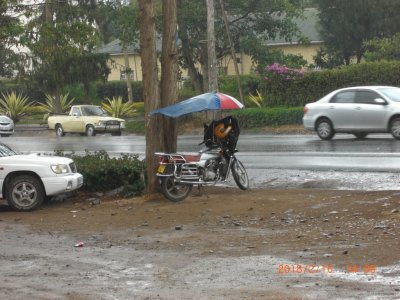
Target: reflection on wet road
(378,152)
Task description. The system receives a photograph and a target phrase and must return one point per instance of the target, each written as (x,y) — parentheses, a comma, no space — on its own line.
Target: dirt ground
(223,244)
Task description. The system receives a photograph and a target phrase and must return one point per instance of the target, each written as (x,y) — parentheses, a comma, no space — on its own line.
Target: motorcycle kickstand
(200,188)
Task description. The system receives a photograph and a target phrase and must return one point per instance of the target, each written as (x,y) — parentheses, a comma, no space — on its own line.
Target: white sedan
(356,110)
(25,180)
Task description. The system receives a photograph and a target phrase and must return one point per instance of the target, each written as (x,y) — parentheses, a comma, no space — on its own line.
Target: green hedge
(103,173)
(118,88)
(261,117)
(316,84)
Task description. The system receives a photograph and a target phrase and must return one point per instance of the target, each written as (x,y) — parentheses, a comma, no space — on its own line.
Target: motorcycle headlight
(59,168)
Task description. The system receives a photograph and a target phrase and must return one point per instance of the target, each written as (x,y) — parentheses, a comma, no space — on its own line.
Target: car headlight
(101,123)
(60,168)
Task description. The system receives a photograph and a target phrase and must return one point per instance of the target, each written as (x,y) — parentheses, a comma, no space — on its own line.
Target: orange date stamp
(304,269)
(289,268)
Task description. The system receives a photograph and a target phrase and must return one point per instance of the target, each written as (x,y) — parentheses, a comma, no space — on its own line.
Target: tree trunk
(150,91)
(169,73)
(57,101)
(128,75)
(212,59)
(233,52)
(194,74)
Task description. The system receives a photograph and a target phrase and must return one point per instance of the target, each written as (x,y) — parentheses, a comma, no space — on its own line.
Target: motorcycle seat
(192,157)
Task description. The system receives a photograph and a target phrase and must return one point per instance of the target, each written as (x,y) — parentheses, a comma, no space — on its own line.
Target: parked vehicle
(178,173)
(86,119)
(6,126)
(357,110)
(25,180)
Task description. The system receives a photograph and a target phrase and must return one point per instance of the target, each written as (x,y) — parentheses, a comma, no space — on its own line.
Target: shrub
(118,109)
(316,84)
(103,173)
(118,89)
(14,105)
(261,117)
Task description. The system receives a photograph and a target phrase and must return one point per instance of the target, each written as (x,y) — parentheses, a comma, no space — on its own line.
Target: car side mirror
(380,101)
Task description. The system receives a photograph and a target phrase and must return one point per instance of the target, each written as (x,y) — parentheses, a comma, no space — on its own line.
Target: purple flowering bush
(282,72)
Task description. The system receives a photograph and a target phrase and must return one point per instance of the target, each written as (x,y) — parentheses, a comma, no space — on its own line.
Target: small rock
(394,211)
(345,252)
(178,227)
(328,255)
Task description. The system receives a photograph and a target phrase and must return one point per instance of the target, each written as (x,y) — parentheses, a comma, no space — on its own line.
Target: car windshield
(392,93)
(6,151)
(93,111)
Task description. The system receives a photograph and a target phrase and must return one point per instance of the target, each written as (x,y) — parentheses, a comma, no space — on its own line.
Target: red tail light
(305,110)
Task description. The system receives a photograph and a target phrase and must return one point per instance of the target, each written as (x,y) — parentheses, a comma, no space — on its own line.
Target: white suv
(25,180)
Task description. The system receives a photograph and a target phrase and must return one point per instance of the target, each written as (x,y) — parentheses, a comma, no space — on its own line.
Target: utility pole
(212,59)
(233,54)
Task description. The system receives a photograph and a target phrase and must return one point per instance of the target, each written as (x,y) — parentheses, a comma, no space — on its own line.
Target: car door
(371,116)
(341,110)
(75,122)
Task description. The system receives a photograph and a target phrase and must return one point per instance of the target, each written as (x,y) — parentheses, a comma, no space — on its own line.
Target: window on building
(122,75)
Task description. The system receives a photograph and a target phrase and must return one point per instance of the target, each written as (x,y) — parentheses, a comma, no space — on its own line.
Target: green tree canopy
(251,23)
(383,49)
(10,29)
(345,25)
(56,31)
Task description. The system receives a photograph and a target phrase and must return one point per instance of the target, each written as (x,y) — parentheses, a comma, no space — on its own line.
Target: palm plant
(49,106)
(117,108)
(257,99)
(14,105)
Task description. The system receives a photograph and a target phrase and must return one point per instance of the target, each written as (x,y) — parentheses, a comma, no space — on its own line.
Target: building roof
(307,26)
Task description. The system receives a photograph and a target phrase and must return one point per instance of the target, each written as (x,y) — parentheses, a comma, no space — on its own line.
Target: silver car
(356,110)
(6,126)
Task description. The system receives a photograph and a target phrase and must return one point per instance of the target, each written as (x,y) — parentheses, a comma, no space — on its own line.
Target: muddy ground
(228,244)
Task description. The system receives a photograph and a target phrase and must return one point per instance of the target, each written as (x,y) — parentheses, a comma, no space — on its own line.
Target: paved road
(378,153)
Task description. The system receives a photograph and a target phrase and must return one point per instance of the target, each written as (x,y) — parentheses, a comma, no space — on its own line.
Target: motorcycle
(178,173)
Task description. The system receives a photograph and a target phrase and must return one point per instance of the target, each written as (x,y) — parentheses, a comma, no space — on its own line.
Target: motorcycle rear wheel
(240,175)
(174,191)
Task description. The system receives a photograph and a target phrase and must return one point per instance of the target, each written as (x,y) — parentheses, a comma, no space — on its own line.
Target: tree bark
(128,75)
(212,59)
(195,75)
(233,53)
(169,73)
(150,91)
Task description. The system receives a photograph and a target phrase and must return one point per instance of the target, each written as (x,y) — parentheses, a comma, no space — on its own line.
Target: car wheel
(324,129)
(360,135)
(60,130)
(25,193)
(90,131)
(395,128)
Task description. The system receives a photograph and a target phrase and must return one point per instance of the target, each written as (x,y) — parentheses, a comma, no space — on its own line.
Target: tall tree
(169,72)
(345,25)
(254,21)
(57,30)
(150,90)
(10,29)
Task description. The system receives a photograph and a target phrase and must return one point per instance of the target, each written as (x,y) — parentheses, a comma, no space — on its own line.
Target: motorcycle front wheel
(174,191)
(240,175)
